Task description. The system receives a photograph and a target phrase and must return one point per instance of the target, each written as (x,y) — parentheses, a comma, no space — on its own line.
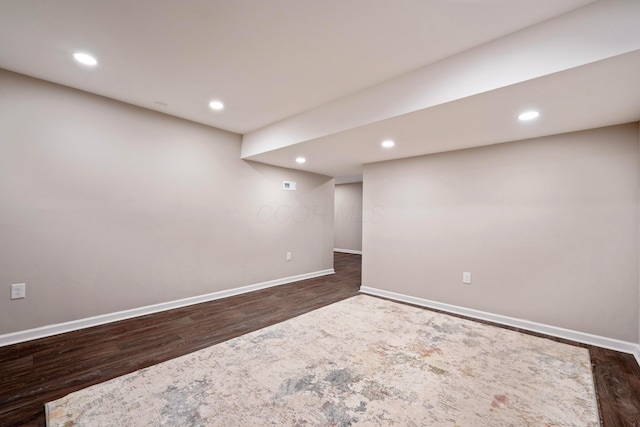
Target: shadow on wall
(295,205)
(348,217)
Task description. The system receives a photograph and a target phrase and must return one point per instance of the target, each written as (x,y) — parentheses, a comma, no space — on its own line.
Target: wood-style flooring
(39,371)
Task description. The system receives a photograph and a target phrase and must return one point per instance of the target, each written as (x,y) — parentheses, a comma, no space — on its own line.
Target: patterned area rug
(362,361)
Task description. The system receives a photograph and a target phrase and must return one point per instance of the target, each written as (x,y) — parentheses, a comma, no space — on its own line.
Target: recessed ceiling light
(388,143)
(85,59)
(216,105)
(528,115)
(300,160)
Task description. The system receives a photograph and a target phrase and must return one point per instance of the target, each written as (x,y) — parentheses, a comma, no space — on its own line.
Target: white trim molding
(74,325)
(347,251)
(554,331)
(636,353)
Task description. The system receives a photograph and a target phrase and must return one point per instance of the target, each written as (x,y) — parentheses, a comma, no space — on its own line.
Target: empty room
(322,212)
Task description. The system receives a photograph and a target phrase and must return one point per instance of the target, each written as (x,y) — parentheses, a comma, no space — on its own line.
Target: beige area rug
(363,361)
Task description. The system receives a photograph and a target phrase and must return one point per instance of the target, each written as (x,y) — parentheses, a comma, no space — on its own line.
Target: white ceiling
(283,64)
(599,94)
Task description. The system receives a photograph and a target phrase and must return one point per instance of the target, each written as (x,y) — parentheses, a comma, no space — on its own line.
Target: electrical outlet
(466,278)
(288,256)
(18,291)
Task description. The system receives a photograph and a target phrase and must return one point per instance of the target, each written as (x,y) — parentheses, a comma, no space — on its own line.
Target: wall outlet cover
(18,291)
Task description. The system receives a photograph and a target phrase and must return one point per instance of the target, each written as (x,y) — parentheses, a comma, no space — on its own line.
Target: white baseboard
(60,328)
(636,353)
(581,337)
(347,251)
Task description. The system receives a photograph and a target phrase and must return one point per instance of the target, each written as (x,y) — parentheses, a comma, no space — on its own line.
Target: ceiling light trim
(85,59)
(216,105)
(528,115)
(388,143)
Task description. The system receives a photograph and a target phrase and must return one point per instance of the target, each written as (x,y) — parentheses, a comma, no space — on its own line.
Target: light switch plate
(466,278)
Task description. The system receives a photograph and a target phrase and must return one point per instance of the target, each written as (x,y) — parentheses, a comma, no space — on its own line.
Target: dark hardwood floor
(38,371)
(617,378)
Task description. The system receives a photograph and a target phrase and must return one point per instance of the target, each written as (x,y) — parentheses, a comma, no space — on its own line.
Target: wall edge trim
(74,325)
(554,331)
(347,251)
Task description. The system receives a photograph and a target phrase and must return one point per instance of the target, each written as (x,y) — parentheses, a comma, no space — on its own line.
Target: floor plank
(38,371)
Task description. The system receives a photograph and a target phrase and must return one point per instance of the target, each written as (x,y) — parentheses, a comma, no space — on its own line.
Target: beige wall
(106,207)
(348,217)
(548,228)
